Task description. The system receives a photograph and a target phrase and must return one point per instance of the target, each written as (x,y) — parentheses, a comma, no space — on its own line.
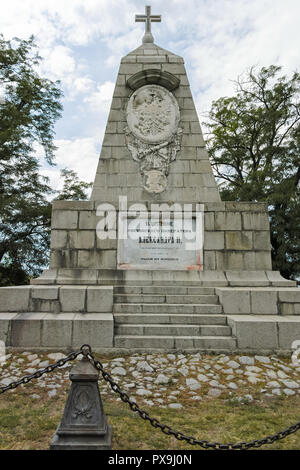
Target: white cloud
(100,99)
(122,45)
(75,22)
(55,181)
(219,39)
(58,62)
(80,155)
(83,85)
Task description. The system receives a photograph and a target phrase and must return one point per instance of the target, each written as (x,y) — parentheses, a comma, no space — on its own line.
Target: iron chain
(86,351)
(178,434)
(27,378)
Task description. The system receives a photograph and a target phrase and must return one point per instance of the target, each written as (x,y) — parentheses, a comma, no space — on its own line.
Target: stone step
(164,319)
(173,330)
(290,308)
(167,308)
(165,290)
(216,343)
(169,299)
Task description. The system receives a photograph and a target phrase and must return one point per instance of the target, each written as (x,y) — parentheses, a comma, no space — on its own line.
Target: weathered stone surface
(162,379)
(238,240)
(72,299)
(26,330)
(45,293)
(100,299)
(150,71)
(236,245)
(262,260)
(144,366)
(154,76)
(82,239)
(289,308)
(254,332)
(88,220)
(264,302)
(261,240)
(77,276)
(276,279)
(246,360)
(59,239)
(72,205)
(228,221)
(96,329)
(64,219)
(118,371)
(289,295)
(56,330)
(247,278)
(5,321)
(234,300)
(14,299)
(288,331)
(255,221)
(192,384)
(214,241)
(56,356)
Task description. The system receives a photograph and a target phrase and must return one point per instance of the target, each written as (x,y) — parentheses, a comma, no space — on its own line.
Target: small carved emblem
(155,181)
(82,404)
(153,136)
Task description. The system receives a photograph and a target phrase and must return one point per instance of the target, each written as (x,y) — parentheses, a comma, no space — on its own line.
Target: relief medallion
(153,136)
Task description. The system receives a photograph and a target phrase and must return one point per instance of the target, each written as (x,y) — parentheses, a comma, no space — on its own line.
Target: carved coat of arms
(153,136)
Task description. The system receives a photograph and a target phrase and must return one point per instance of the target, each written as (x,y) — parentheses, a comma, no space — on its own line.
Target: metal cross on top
(148,19)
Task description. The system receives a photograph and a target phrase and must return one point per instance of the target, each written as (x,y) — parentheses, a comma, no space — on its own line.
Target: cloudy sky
(82,42)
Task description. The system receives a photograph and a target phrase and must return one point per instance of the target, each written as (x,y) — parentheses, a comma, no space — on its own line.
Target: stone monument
(137,286)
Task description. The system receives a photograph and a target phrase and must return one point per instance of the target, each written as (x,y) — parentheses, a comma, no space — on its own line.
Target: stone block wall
(236,237)
(57,299)
(264,333)
(117,174)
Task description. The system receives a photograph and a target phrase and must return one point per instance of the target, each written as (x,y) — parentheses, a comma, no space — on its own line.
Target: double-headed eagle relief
(153,136)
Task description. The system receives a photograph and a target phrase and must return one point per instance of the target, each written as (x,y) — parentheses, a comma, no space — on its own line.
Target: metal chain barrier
(27,378)
(86,351)
(178,434)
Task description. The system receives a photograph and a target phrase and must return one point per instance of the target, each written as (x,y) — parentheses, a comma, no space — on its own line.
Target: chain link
(178,434)
(27,378)
(86,351)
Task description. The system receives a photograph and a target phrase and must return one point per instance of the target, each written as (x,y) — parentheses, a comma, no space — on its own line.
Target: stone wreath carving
(82,404)
(153,136)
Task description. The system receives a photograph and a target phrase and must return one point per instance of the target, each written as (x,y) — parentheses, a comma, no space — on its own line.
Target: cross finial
(148,19)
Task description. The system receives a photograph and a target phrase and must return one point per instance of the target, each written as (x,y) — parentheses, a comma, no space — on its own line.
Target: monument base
(82,442)
(116,277)
(143,310)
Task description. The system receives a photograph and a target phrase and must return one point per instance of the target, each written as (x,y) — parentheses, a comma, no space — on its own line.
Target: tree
(73,188)
(29,107)
(254,146)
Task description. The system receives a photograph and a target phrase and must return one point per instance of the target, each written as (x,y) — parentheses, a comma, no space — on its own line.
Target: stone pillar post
(83,425)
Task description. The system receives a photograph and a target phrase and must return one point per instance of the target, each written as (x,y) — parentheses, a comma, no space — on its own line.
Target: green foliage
(254,146)
(73,188)
(29,107)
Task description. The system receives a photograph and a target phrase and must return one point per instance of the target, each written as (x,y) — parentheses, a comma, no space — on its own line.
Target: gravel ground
(167,380)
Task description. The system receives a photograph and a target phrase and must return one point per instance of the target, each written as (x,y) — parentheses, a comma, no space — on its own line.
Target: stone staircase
(164,317)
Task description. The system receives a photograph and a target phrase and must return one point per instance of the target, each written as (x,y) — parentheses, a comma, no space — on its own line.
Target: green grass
(27,423)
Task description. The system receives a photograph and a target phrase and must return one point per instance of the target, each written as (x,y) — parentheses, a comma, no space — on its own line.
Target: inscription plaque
(153,244)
